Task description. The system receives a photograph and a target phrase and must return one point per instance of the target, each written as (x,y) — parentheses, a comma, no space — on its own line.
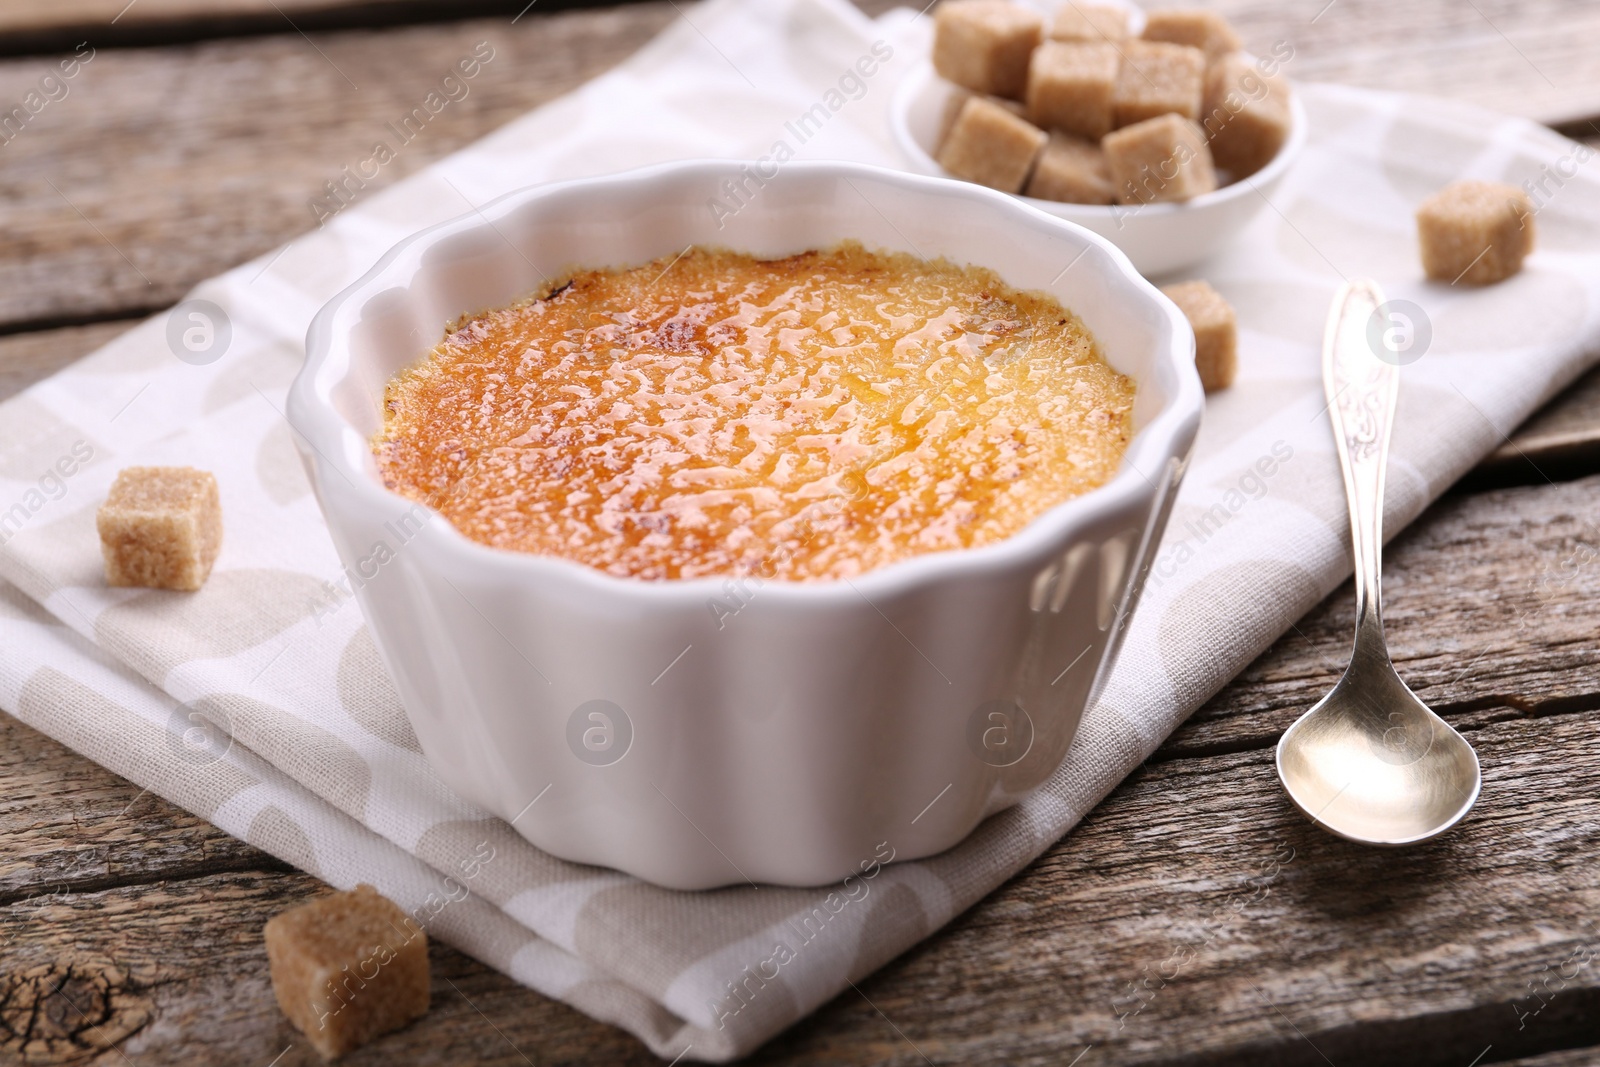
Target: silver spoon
(1370,761)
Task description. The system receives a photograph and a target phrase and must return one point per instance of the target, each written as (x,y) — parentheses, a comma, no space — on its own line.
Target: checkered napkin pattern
(318,765)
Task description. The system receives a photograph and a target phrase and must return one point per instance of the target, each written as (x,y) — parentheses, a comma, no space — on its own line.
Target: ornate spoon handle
(1361,386)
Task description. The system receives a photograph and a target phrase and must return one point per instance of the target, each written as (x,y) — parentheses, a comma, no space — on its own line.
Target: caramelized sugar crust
(805,418)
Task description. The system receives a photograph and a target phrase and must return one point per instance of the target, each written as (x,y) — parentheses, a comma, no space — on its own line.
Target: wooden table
(194,140)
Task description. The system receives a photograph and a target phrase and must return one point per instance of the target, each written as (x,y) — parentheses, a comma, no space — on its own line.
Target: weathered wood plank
(1562,441)
(1577,1057)
(28,28)
(176,973)
(162,167)
(1525,57)
(21,16)
(1489,608)
(70,825)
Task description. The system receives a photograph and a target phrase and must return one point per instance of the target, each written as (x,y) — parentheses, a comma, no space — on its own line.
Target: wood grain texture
(70,826)
(1560,442)
(1533,58)
(1577,1057)
(31,28)
(21,16)
(162,167)
(187,961)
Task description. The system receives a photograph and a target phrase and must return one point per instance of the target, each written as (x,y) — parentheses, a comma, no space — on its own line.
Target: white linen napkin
(311,757)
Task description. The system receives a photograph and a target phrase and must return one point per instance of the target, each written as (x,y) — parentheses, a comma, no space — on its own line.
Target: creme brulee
(716,414)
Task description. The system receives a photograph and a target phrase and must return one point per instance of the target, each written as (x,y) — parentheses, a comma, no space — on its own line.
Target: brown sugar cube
(1090,22)
(984,45)
(160,528)
(1216,332)
(1475,232)
(348,967)
(1161,159)
(1246,115)
(1070,85)
(1158,79)
(1072,171)
(1205,30)
(991,146)
(958,99)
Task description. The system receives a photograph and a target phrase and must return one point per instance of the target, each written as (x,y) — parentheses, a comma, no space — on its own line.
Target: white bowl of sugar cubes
(1153,129)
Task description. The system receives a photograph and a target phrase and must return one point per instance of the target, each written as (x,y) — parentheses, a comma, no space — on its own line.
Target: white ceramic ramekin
(1159,238)
(705,732)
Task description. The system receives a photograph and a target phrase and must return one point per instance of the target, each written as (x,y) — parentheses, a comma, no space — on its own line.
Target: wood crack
(204,23)
(129,314)
(1460,1036)
(1523,707)
(261,863)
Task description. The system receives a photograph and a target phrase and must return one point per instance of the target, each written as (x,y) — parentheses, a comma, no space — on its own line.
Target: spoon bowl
(1370,762)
